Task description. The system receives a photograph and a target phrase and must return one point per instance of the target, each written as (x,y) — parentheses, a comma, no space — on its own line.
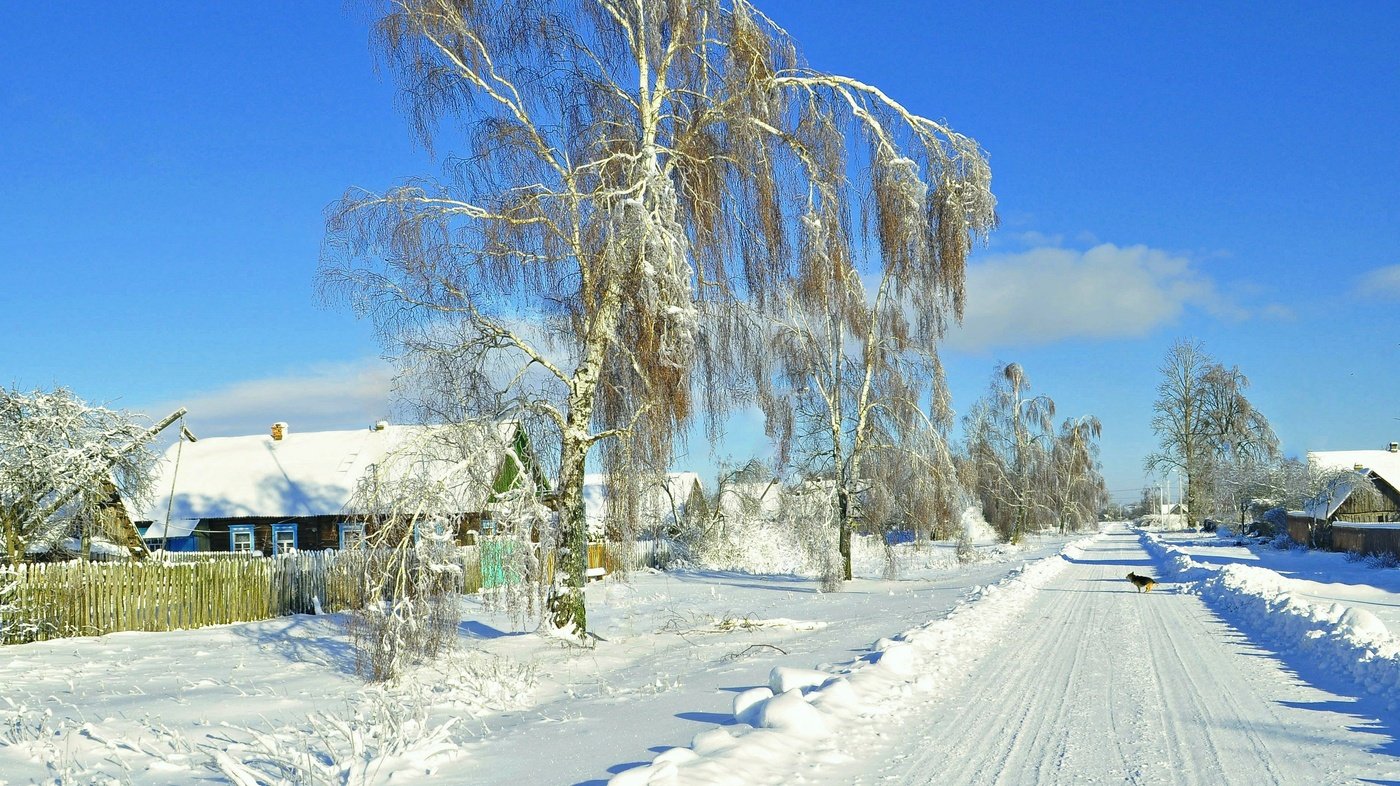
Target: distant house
(286,490)
(664,502)
(1171,509)
(750,500)
(1361,507)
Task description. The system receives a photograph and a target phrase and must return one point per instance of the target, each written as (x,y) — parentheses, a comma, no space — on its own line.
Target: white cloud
(321,398)
(1047,294)
(1383,282)
(1034,239)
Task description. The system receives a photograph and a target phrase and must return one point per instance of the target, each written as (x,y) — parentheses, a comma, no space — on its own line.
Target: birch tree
(1077,490)
(1008,435)
(624,174)
(855,378)
(1179,420)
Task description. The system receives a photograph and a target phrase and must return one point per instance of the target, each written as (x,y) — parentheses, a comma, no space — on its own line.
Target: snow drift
(1350,642)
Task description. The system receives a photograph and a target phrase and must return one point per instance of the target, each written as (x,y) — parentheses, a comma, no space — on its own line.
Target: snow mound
(791,713)
(1346,641)
(746,704)
(783,679)
(976,526)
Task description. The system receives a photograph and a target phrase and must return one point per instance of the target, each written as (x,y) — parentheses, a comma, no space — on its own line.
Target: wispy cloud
(323,397)
(1383,282)
(1047,294)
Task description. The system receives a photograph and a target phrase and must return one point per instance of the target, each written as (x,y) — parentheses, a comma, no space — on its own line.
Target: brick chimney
(1395,447)
(279,430)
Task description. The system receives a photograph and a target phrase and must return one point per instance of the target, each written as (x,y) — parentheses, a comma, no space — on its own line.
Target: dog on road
(1143,583)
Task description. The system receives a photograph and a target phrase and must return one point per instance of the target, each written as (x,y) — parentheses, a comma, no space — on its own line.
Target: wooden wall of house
(314,533)
(1379,502)
(1365,540)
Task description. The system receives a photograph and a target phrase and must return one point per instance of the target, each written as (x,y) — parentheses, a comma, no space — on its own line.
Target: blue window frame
(352,535)
(240,538)
(437,527)
(284,538)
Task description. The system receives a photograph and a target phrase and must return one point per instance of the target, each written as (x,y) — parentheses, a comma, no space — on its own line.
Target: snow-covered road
(1101,684)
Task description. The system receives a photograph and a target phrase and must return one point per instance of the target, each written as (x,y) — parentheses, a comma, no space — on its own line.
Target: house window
(240,539)
(352,536)
(436,529)
(284,538)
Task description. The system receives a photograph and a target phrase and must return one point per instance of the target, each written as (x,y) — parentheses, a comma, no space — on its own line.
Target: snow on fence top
(311,473)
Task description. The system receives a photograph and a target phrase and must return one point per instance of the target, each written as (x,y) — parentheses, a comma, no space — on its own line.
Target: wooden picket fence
(57,600)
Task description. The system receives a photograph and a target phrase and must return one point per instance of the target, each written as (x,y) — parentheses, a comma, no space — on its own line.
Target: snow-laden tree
(410,573)
(61,463)
(1208,430)
(1009,437)
(623,174)
(1179,419)
(1076,487)
(857,370)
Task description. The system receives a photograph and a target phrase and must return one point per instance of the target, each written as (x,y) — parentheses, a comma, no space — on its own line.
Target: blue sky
(1228,173)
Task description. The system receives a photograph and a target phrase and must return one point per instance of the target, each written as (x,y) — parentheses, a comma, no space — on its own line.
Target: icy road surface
(1100,684)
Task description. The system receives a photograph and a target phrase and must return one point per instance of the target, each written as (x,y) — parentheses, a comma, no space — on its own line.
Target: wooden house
(285,490)
(1360,509)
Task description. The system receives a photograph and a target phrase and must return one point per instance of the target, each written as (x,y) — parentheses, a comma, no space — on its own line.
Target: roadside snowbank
(1347,641)
(802,710)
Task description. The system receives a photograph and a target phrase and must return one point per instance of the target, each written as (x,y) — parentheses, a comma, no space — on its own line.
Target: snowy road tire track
(1100,684)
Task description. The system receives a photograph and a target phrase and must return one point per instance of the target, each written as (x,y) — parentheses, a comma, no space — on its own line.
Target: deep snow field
(278,701)
(1035,665)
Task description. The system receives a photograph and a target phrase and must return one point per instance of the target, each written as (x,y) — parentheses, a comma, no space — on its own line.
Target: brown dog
(1143,583)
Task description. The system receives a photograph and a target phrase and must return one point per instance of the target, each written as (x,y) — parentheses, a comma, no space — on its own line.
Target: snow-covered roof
(759,499)
(1326,503)
(99,546)
(1385,464)
(1385,525)
(179,528)
(676,489)
(310,473)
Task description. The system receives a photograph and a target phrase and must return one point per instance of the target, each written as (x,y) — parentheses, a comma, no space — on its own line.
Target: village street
(1101,684)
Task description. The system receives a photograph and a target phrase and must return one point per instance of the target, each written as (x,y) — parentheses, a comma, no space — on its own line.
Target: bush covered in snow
(762,547)
(792,549)
(1379,560)
(1162,521)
